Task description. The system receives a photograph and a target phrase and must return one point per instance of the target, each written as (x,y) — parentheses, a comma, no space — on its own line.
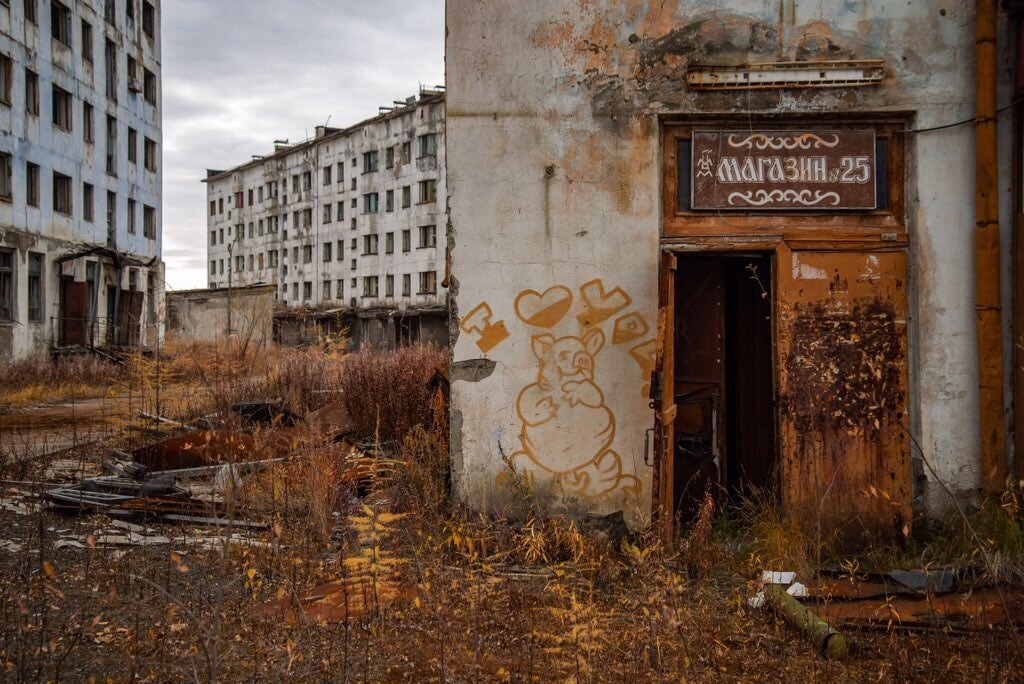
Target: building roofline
(425,97)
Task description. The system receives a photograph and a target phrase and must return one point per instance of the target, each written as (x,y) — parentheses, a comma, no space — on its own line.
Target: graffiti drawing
(645,355)
(568,429)
(630,327)
(543,310)
(601,305)
(478,321)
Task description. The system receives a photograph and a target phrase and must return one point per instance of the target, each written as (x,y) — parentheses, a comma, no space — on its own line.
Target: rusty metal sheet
(842,350)
(788,170)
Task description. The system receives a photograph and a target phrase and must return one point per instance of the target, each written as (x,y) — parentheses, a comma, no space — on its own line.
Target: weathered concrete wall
(554,180)
(202,315)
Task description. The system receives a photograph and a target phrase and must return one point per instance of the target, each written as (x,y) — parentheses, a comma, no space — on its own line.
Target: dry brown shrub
(386,392)
(40,378)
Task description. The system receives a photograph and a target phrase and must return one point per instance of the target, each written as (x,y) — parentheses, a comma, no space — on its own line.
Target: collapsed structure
(80,176)
(732,247)
(343,225)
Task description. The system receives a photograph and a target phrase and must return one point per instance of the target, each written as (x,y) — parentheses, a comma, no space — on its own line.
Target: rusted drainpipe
(986,261)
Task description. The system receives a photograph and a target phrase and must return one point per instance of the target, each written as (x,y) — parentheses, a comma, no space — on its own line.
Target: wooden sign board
(783,170)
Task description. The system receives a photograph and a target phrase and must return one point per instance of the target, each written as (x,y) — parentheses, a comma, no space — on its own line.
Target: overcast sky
(238,74)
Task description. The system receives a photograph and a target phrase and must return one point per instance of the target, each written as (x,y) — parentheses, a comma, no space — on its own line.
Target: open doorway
(725,436)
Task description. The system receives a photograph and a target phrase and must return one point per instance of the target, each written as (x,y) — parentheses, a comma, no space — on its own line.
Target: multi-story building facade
(345,223)
(80,176)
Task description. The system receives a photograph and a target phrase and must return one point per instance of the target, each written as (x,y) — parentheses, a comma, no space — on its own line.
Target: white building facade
(345,225)
(80,174)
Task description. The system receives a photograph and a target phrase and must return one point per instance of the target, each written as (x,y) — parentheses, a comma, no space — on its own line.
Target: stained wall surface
(554,114)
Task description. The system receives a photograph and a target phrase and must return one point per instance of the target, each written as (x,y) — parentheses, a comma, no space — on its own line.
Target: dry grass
(40,379)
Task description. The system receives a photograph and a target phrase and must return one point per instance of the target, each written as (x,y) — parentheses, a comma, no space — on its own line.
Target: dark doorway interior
(724,378)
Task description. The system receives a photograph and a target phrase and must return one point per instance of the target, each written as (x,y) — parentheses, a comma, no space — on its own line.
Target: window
(62,109)
(87,41)
(325,289)
(428,191)
(220,205)
(110,12)
(341,171)
(149,155)
(370,161)
(31,92)
(260,195)
(5,177)
(389,201)
(327,175)
(341,211)
(307,254)
(428,145)
(6,284)
(353,223)
(213,237)
(213,267)
(240,263)
(428,282)
(133,146)
(62,193)
(407,240)
(307,180)
(111,146)
(327,252)
(389,286)
(129,10)
(272,258)
(213,208)
(60,22)
(295,290)
(295,183)
(32,185)
(370,286)
(353,182)
(370,203)
(31,15)
(88,134)
(239,199)
(406,152)
(259,261)
(149,222)
(251,264)
(307,218)
(428,236)
(389,243)
(110,69)
(6,76)
(389,157)
(370,243)
(406,196)
(131,216)
(87,202)
(307,290)
(339,289)
(133,75)
(148,19)
(340,250)
(406,285)
(250,197)
(327,213)
(149,86)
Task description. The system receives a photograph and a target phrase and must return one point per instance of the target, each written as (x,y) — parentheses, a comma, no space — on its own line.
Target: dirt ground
(429,597)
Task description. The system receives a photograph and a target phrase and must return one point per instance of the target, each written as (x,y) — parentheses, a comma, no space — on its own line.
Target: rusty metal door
(663,397)
(842,359)
(74,312)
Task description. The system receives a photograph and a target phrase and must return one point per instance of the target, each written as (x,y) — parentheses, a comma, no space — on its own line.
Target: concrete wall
(32,138)
(202,315)
(554,195)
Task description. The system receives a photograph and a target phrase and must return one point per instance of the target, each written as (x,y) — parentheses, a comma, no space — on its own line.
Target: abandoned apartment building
(344,225)
(80,177)
(746,246)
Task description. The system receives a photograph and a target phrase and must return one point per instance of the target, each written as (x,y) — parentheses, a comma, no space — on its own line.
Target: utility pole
(230,275)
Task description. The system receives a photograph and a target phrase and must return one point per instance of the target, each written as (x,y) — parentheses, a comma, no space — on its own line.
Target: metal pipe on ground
(831,643)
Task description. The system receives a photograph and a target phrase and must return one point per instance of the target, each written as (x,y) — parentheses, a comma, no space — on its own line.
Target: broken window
(406,196)
(327,252)
(133,75)
(110,69)
(252,231)
(5,177)
(62,116)
(370,286)
(327,213)
(149,86)
(87,202)
(259,261)
(389,243)
(250,196)
(111,146)
(62,193)
(340,250)
(389,157)
(86,41)
(6,76)
(6,284)
(149,222)
(327,175)
(149,155)
(31,92)
(370,161)
(307,180)
(428,191)
(213,208)
(272,258)
(428,236)
(307,254)
(339,289)
(131,216)
(31,15)
(389,201)
(259,195)
(88,134)
(406,285)
(428,145)
(251,263)
(110,12)
(307,290)
(60,22)
(407,240)
(406,152)
(148,18)
(133,146)
(35,287)
(32,185)
(129,10)
(353,182)
(341,211)
(370,203)
(428,282)
(370,243)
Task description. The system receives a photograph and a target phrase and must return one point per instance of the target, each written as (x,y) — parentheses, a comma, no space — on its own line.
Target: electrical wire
(960,123)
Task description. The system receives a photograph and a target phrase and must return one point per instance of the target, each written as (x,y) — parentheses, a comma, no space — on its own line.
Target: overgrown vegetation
(431,590)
